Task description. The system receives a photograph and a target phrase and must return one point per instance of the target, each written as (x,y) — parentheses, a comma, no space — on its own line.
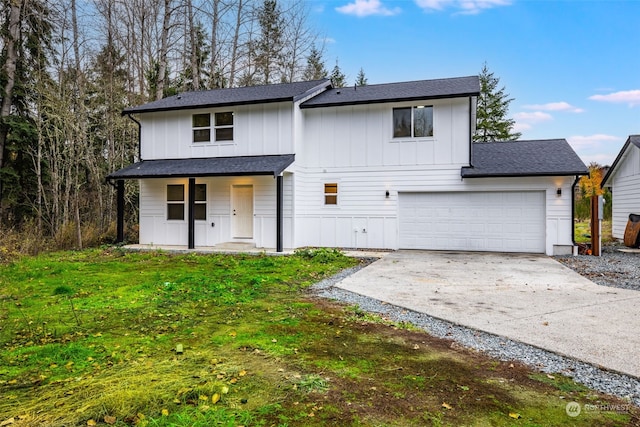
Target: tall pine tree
(315,67)
(338,79)
(361,78)
(493,107)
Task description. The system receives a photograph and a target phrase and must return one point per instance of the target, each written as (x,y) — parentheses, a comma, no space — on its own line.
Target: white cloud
(598,148)
(591,141)
(631,97)
(534,117)
(555,106)
(466,7)
(367,7)
(521,127)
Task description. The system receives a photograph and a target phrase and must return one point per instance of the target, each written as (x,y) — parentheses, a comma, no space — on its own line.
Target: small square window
(331,194)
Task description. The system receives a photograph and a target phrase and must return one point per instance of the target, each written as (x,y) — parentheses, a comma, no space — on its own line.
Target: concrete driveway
(527,298)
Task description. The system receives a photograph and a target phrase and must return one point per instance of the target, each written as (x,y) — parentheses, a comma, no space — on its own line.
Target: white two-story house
(378,166)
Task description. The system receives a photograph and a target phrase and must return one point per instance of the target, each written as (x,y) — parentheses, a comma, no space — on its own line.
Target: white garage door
(473,221)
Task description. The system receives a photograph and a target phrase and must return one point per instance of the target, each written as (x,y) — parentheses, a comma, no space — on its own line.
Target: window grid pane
(201,193)
(175,193)
(201,135)
(200,211)
(175,211)
(401,122)
(201,120)
(224,134)
(224,119)
(330,199)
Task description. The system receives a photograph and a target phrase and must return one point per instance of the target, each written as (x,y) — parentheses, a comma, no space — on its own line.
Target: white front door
(242,211)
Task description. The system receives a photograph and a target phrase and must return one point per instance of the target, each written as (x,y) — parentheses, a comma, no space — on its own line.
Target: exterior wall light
(386,194)
(559,192)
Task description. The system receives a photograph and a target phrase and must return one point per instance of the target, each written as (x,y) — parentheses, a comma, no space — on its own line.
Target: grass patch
(109,337)
(583,232)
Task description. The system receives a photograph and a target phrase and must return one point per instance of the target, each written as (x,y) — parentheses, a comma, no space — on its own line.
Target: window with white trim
(201,127)
(200,202)
(331,194)
(175,202)
(224,126)
(413,122)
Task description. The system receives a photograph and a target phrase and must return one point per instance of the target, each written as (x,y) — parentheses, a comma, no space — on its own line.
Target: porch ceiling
(211,166)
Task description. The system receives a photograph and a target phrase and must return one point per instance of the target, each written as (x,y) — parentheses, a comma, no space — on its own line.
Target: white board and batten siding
(261,129)
(156,229)
(532,217)
(626,191)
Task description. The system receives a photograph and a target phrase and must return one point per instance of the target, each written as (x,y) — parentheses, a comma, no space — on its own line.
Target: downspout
(139,136)
(573,210)
(470,132)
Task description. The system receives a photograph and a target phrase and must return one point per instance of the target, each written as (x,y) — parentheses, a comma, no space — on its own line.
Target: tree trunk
(162,60)
(193,59)
(236,42)
(11,45)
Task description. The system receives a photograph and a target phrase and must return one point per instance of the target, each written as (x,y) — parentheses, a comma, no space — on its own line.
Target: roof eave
(612,169)
(522,175)
(135,110)
(390,100)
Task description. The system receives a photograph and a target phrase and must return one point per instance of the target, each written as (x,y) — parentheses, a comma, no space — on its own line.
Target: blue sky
(572,67)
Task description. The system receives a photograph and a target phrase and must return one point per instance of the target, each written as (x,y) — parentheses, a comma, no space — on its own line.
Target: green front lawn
(108,337)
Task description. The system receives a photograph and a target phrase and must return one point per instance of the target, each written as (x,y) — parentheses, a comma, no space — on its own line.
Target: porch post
(191,215)
(279,199)
(120,210)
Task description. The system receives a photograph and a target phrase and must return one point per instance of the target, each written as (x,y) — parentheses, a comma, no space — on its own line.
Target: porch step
(236,246)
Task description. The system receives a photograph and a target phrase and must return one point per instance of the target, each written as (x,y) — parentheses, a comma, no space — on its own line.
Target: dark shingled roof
(231,96)
(633,139)
(212,166)
(551,157)
(394,92)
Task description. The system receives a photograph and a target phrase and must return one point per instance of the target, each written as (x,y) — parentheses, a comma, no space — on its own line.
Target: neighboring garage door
(473,221)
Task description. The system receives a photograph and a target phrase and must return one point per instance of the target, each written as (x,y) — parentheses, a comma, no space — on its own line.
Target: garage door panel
(479,221)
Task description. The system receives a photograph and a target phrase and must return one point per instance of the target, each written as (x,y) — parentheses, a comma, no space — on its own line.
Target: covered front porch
(205,202)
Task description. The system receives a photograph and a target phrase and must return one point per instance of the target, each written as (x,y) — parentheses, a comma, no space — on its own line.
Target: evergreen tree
(361,79)
(269,47)
(315,67)
(493,107)
(338,79)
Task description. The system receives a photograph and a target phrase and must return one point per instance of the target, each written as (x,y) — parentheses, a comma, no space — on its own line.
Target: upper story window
(222,127)
(201,127)
(413,122)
